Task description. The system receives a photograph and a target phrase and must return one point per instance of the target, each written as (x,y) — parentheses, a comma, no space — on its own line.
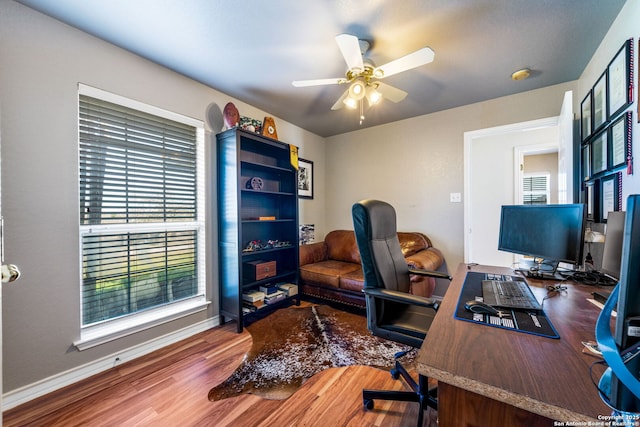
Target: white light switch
(455,197)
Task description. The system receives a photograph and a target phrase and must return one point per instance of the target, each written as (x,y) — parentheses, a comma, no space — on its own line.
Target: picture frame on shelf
(586,162)
(305,178)
(599,106)
(620,141)
(610,195)
(586,117)
(619,80)
(599,151)
(591,191)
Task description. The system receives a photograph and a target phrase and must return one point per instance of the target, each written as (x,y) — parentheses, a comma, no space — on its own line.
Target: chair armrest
(430,273)
(401,297)
(312,253)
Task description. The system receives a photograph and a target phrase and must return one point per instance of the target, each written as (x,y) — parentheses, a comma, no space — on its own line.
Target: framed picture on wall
(610,196)
(305,178)
(620,140)
(619,80)
(600,102)
(585,117)
(599,153)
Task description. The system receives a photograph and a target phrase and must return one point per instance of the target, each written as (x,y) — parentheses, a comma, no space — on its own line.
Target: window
(536,189)
(141,213)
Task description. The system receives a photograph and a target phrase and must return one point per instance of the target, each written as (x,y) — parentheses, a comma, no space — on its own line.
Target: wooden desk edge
(466,382)
(523,402)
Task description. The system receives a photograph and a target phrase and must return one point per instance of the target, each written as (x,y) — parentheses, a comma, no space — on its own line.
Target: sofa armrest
(312,253)
(427,259)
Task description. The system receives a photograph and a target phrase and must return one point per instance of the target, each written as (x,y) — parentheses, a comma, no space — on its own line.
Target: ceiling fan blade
(391,93)
(339,104)
(407,62)
(318,82)
(350,48)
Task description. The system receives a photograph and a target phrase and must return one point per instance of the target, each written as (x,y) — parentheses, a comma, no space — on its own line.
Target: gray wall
(41,63)
(416,163)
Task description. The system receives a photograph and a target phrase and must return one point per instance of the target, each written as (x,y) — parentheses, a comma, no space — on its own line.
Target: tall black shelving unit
(257,202)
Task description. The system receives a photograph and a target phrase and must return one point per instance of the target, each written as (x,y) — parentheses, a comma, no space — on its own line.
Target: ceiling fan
(363,76)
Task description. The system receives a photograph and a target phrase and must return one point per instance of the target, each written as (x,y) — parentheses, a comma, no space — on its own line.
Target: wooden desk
(489,376)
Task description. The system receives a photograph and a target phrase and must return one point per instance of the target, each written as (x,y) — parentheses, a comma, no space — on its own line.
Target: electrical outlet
(455,197)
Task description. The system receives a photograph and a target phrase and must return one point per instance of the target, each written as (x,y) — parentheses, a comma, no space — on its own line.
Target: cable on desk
(594,278)
(554,290)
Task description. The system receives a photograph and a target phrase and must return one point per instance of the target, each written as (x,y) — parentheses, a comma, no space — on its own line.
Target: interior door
(565,151)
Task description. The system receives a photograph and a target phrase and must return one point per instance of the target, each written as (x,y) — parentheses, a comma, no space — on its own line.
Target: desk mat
(527,321)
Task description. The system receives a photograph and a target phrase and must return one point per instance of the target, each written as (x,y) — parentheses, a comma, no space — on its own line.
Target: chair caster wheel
(368,404)
(395,374)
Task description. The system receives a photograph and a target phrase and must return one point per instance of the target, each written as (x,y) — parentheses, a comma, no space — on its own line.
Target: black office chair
(392,312)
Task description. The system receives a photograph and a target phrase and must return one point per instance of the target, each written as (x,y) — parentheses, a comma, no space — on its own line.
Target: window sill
(112,330)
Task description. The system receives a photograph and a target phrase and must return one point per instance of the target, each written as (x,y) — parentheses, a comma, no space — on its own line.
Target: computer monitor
(612,252)
(548,233)
(628,313)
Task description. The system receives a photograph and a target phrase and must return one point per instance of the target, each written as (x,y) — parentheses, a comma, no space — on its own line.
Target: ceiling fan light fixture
(362,75)
(357,90)
(350,102)
(373,96)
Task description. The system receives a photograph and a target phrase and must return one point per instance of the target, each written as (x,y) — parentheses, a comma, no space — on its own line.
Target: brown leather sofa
(332,270)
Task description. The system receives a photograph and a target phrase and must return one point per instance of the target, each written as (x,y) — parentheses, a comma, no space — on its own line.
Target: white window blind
(536,189)
(141,208)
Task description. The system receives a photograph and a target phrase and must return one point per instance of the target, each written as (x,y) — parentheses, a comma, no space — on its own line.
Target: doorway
(493,171)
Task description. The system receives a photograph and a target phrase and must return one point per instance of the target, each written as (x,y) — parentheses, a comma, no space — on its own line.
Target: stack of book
(290,289)
(252,301)
(275,297)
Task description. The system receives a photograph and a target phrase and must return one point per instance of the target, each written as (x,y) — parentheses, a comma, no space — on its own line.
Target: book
(289,288)
(268,289)
(275,297)
(253,296)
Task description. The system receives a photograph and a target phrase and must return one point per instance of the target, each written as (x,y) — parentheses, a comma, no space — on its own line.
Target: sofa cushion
(342,246)
(327,273)
(352,281)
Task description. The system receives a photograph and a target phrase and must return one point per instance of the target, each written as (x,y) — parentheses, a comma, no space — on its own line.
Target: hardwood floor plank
(169,387)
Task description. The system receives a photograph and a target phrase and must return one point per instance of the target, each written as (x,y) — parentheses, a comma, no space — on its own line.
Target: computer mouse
(481,307)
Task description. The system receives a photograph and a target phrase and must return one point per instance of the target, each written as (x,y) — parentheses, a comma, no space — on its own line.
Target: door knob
(9,273)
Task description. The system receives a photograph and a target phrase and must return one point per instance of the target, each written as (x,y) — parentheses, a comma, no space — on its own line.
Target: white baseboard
(63,379)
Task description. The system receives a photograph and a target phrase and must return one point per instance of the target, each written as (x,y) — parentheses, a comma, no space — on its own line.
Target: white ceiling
(253,50)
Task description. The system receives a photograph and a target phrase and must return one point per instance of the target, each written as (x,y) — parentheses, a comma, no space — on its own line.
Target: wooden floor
(169,388)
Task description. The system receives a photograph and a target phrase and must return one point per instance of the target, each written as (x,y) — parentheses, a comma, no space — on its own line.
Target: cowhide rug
(292,344)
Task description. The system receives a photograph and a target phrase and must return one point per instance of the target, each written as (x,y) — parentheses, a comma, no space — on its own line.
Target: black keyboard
(509,294)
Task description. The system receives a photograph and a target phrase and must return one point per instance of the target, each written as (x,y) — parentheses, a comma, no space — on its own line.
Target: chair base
(419,393)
